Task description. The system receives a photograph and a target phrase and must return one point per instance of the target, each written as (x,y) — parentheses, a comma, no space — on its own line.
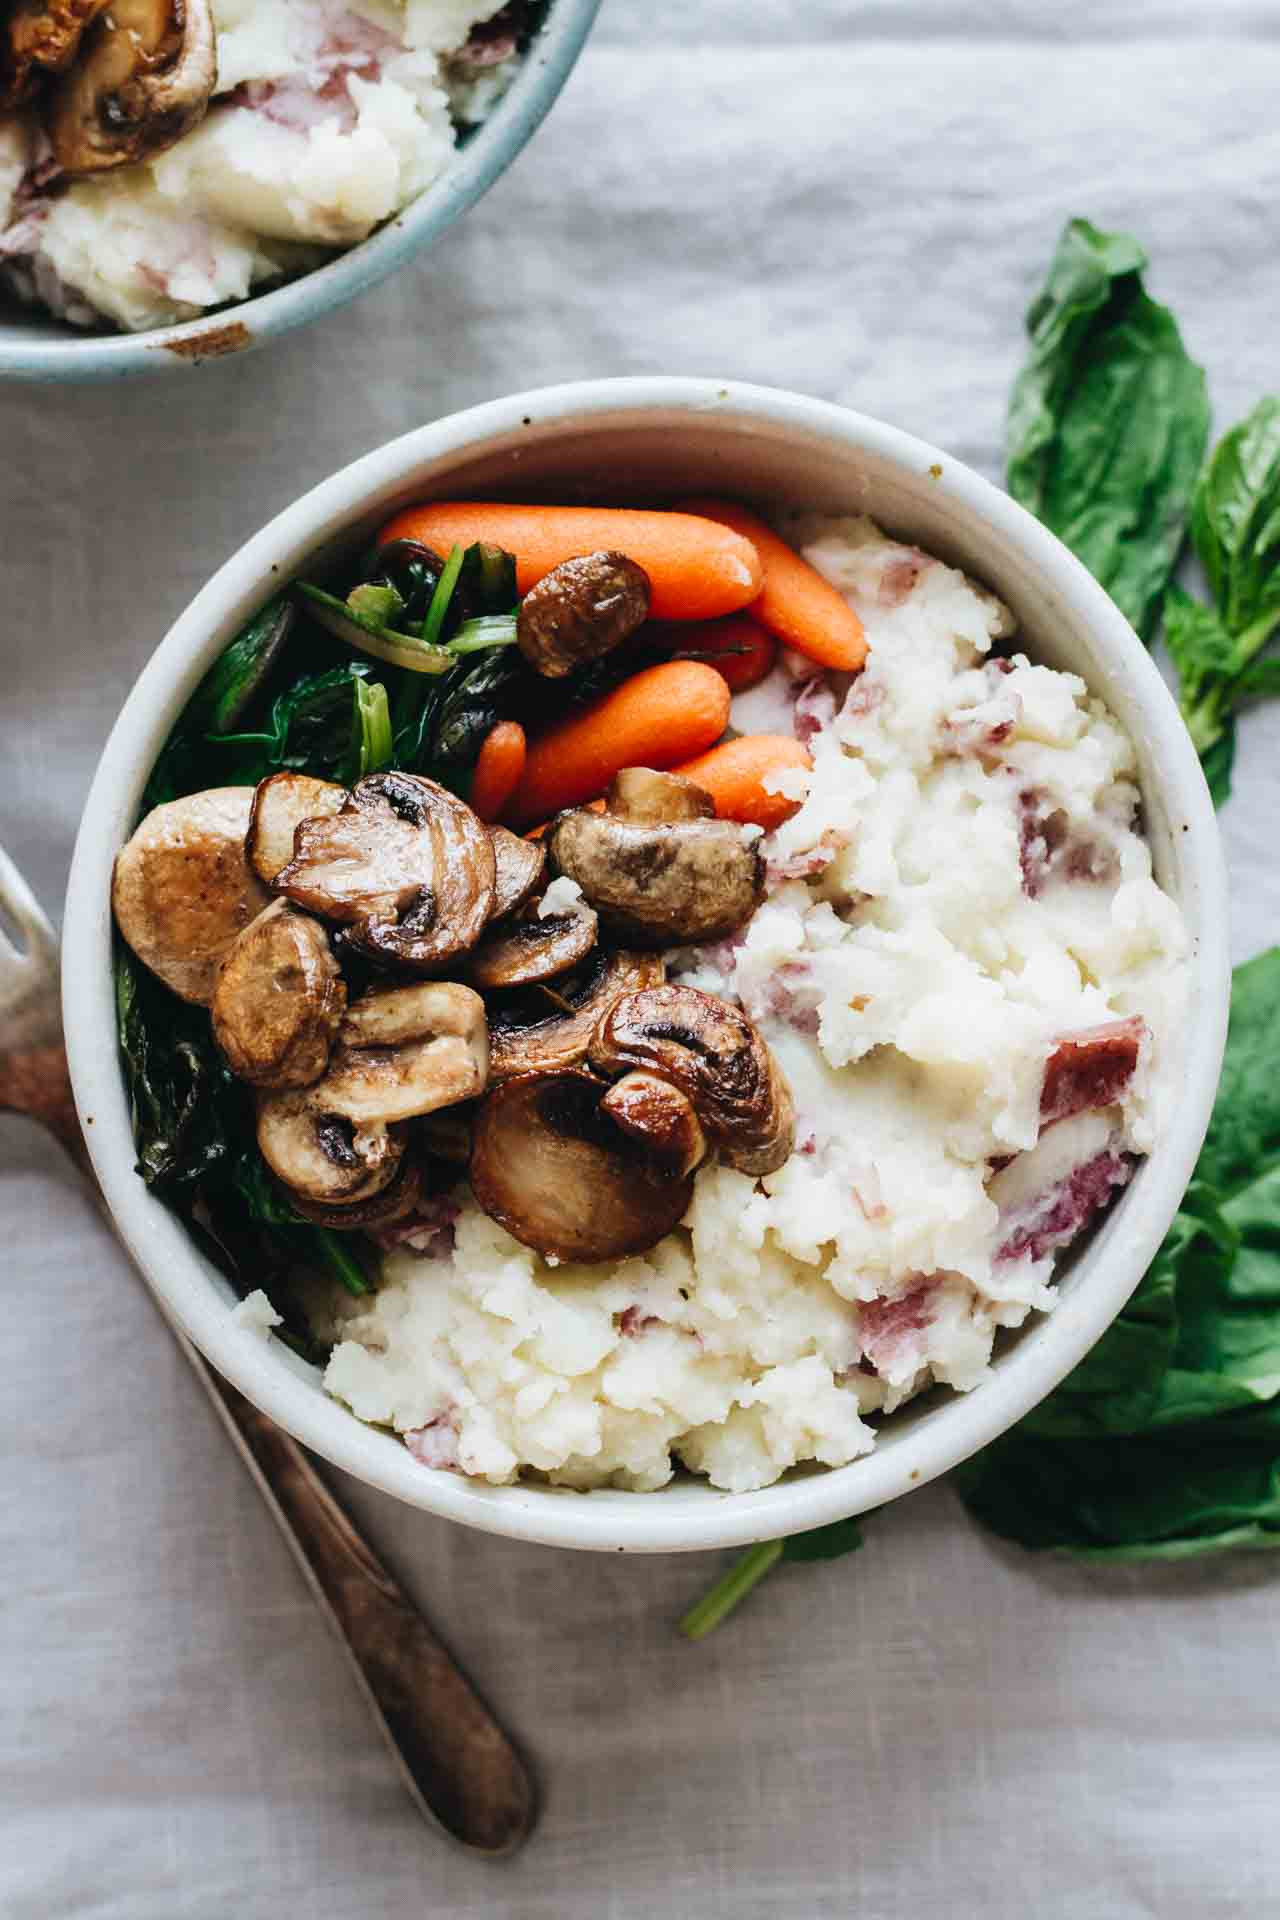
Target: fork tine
(26,912)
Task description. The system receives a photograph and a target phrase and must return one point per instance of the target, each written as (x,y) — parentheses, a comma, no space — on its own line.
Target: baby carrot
(734,775)
(664,715)
(499,765)
(697,568)
(736,646)
(795,602)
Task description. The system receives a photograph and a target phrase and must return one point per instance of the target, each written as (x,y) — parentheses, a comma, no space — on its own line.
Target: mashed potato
(330,116)
(974,987)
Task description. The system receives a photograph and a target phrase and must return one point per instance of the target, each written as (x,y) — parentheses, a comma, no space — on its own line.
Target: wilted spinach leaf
(1165,1441)
(1108,419)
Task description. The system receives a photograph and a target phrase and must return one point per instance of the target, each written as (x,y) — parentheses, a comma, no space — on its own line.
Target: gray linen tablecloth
(855,200)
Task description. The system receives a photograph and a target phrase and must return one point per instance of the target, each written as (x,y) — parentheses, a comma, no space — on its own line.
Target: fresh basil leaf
(1165,1442)
(1199,645)
(1236,526)
(1108,419)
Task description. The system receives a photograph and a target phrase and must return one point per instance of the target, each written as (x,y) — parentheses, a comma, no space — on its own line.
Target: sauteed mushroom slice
(405,865)
(281,803)
(551,1166)
(527,948)
(659,881)
(714,1055)
(539,1029)
(182,889)
(379,1210)
(404,1051)
(660,1117)
(40,37)
(278,999)
(582,609)
(144,77)
(519,867)
(323,1156)
(642,793)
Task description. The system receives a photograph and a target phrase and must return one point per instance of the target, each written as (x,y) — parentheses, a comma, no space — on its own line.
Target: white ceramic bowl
(620,439)
(33,346)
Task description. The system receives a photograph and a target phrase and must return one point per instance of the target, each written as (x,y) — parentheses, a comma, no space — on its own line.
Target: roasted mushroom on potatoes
(405,867)
(658,870)
(278,999)
(322,1156)
(143,77)
(551,1167)
(518,869)
(281,803)
(660,1117)
(39,38)
(405,1051)
(538,1029)
(182,889)
(529,947)
(714,1055)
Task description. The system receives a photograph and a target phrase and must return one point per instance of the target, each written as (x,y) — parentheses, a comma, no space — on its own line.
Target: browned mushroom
(39,38)
(405,865)
(183,890)
(143,77)
(660,1117)
(658,799)
(519,867)
(322,1156)
(404,1051)
(714,1055)
(655,867)
(281,803)
(580,610)
(559,1175)
(542,1028)
(395,1202)
(527,948)
(278,999)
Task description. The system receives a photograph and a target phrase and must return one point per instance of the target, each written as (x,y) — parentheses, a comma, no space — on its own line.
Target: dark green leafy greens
(287,694)
(1108,420)
(1218,649)
(193,1124)
(1165,1442)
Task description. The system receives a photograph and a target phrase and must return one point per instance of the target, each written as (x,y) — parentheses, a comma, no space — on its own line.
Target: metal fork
(461,1770)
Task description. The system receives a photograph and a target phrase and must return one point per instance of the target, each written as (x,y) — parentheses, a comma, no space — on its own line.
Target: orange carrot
(498,768)
(664,715)
(795,602)
(736,646)
(697,569)
(735,774)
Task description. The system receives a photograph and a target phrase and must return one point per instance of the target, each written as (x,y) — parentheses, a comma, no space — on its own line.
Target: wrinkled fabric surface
(855,200)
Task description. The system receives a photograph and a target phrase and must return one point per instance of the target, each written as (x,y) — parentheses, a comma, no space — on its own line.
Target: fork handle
(36,1082)
(457,1764)
(460,1769)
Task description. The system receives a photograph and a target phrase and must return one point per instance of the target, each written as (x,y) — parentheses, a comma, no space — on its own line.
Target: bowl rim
(608,1520)
(245,325)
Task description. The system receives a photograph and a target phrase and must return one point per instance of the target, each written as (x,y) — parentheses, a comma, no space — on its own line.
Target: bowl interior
(616,447)
(33,346)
